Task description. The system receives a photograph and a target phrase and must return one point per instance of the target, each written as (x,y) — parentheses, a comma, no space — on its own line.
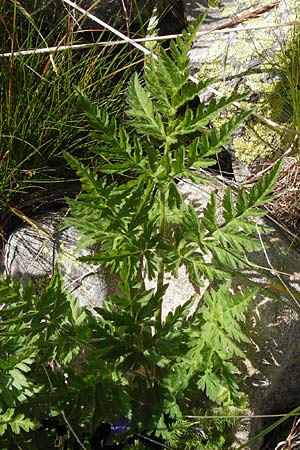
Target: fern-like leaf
(16,422)
(180,47)
(99,118)
(220,335)
(141,111)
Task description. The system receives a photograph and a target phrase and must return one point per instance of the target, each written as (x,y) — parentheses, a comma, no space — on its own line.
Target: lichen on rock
(244,61)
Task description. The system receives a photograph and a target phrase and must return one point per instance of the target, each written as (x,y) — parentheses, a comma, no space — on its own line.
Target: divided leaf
(16,422)
(141,111)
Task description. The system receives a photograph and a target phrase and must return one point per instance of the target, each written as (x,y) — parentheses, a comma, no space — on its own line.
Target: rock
(250,62)
(30,255)
(179,291)
(270,372)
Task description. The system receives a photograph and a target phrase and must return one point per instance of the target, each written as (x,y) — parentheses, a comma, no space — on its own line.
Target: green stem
(162,230)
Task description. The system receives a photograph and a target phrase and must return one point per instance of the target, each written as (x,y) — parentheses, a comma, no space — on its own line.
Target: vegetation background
(147,133)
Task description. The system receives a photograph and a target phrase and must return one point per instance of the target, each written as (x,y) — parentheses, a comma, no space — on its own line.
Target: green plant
(211,431)
(141,225)
(213,3)
(288,87)
(79,369)
(33,342)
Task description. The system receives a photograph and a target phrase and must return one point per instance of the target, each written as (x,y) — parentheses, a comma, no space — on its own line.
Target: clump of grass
(284,98)
(213,430)
(284,103)
(39,114)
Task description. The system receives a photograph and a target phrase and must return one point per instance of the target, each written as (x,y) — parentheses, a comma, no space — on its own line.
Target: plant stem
(162,230)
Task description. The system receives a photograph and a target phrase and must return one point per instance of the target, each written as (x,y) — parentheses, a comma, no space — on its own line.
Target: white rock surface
(31,256)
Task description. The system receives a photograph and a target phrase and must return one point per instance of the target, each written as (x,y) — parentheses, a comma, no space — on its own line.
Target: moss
(213,3)
(257,140)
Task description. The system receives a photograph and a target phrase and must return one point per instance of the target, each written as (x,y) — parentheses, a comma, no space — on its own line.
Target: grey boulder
(31,254)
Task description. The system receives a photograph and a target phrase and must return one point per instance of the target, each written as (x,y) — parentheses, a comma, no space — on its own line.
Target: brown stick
(244,18)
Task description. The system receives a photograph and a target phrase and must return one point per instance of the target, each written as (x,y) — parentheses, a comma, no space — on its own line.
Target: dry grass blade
(145,39)
(292,442)
(33,223)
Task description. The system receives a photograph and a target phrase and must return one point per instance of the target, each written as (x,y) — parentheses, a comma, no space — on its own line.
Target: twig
(251,15)
(72,431)
(127,19)
(269,122)
(110,28)
(59,48)
(253,179)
